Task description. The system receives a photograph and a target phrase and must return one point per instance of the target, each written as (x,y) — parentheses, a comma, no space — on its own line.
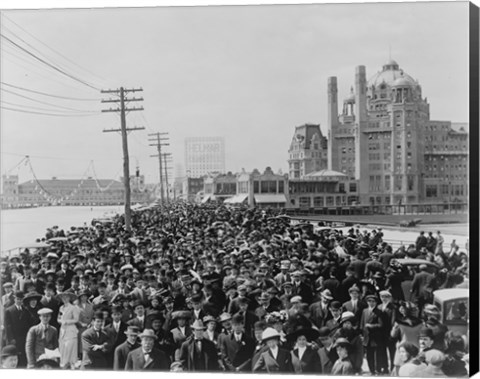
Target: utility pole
(158,143)
(165,156)
(122,92)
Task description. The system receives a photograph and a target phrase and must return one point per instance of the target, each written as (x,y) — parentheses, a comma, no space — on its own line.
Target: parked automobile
(453,304)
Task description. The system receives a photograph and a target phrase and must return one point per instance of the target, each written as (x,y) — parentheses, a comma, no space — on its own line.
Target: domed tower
(397,115)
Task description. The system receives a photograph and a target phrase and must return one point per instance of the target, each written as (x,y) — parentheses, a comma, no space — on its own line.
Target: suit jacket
(361,305)
(8,300)
(209,356)
(178,337)
(266,362)
(319,316)
(309,362)
(237,354)
(305,291)
(327,359)
(121,353)
(17,324)
(421,285)
(136,361)
(372,336)
(86,314)
(38,341)
(342,367)
(97,358)
(116,338)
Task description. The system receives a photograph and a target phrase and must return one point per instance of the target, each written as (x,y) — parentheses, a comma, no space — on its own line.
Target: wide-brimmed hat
(155,315)
(296,299)
(309,333)
(326,294)
(71,295)
(198,325)
(32,296)
(8,351)
(225,317)
(208,319)
(342,342)
(45,360)
(347,316)
(354,288)
(148,333)
(270,333)
(132,331)
(181,314)
(371,297)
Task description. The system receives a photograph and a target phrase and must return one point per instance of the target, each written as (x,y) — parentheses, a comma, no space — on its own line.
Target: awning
(237,199)
(270,198)
(207,198)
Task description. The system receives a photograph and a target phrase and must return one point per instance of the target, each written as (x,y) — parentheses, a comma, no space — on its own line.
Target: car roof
(451,293)
(415,261)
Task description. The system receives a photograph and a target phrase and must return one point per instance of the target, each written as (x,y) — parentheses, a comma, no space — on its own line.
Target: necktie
(354,306)
(44,332)
(116,328)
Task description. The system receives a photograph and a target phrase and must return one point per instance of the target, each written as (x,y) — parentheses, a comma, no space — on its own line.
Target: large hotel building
(204,155)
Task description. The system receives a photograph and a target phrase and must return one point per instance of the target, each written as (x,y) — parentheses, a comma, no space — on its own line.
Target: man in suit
(17,324)
(146,357)
(335,309)
(116,332)
(121,352)
(197,310)
(139,319)
(95,344)
(237,348)
(198,353)
(40,337)
(389,314)
(283,276)
(234,306)
(182,331)
(371,324)
(421,287)
(355,304)
(327,352)
(300,288)
(50,301)
(274,359)
(319,310)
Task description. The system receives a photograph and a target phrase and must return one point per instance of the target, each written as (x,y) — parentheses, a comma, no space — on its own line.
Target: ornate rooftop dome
(389,74)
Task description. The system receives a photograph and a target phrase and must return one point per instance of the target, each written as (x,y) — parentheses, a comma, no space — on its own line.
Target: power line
(30,107)
(48,94)
(52,49)
(49,64)
(44,102)
(48,114)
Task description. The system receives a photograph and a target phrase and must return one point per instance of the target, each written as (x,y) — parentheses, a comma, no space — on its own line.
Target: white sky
(248,73)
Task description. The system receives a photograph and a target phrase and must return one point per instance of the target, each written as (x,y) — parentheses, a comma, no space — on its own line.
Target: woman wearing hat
(68,319)
(274,358)
(9,357)
(31,302)
(343,365)
(304,358)
(348,330)
(406,328)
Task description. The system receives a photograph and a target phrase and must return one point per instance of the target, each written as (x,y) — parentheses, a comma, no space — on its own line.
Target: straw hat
(270,333)
(148,333)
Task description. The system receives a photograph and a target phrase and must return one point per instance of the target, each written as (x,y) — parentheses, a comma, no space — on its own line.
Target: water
(20,226)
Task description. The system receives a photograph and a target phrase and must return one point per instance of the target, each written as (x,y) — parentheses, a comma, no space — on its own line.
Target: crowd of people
(214,288)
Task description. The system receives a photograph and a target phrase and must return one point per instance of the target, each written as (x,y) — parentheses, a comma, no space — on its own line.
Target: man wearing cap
(371,323)
(147,357)
(197,311)
(17,324)
(121,352)
(422,286)
(139,319)
(389,314)
(283,276)
(335,309)
(237,348)
(96,344)
(319,310)
(40,337)
(49,300)
(198,353)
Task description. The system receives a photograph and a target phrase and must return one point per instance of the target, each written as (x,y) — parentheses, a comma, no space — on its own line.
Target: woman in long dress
(68,319)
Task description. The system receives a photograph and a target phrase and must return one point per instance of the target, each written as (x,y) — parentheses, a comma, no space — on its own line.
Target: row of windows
(447,177)
(432,190)
(442,168)
(327,201)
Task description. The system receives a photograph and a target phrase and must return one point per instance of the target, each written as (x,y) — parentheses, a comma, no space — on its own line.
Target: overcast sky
(248,73)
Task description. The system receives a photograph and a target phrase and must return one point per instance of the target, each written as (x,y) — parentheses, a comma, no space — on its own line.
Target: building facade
(307,152)
(69,192)
(204,155)
(220,187)
(385,140)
